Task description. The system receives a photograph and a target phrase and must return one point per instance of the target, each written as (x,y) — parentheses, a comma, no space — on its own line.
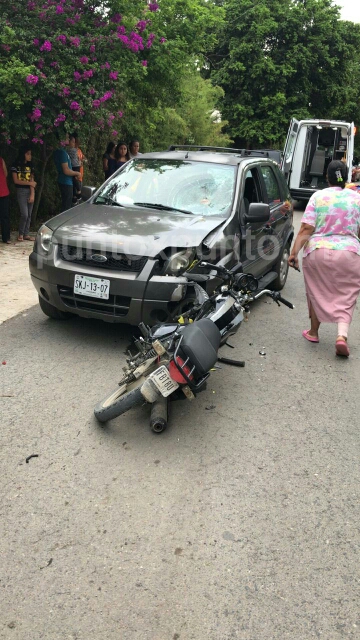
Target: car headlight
(43,242)
(179,262)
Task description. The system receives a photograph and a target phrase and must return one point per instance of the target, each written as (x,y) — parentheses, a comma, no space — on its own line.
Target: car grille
(115,306)
(114,262)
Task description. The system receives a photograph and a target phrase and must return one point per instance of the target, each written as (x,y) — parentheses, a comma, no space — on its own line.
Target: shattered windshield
(182,186)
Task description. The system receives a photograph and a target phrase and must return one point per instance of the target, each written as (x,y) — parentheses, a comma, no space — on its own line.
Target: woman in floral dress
(329,233)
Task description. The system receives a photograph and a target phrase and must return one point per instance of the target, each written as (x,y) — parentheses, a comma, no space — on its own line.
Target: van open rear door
(350,149)
(286,164)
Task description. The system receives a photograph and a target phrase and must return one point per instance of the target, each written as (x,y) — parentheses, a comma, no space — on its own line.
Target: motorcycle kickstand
(159,415)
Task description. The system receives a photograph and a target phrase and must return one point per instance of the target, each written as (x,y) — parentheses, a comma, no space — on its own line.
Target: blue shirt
(60,157)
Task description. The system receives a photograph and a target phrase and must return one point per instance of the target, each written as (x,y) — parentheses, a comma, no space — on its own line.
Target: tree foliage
(279,59)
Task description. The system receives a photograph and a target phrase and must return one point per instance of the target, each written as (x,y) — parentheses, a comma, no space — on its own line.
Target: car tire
(52,312)
(282,269)
(181,307)
(118,402)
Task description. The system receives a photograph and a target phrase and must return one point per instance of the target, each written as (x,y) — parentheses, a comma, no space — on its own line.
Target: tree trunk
(41,182)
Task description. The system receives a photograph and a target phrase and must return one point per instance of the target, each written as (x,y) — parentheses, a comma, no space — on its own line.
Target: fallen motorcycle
(175,359)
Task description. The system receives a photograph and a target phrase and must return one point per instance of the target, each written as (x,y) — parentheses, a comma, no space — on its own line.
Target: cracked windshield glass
(182,186)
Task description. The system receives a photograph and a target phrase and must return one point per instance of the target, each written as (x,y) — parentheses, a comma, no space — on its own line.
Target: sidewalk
(17,293)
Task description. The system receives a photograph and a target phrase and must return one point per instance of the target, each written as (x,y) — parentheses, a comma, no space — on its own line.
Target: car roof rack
(242,152)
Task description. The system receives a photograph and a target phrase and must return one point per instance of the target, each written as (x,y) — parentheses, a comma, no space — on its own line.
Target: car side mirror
(258,212)
(87,192)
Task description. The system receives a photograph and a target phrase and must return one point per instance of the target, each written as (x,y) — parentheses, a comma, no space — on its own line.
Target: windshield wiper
(162,207)
(108,200)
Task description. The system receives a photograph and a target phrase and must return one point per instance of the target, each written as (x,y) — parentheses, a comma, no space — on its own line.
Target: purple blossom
(61,39)
(36,42)
(8,141)
(46,46)
(116,18)
(120,31)
(92,48)
(75,41)
(111,118)
(38,126)
(120,114)
(36,115)
(150,41)
(37,140)
(60,118)
(114,133)
(162,40)
(144,63)
(66,91)
(96,104)
(31,6)
(77,76)
(84,59)
(141,25)
(70,21)
(74,106)
(153,6)
(107,95)
(59,9)
(32,79)
(54,64)
(124,39)
(40,63)
(92,92)
(133,46)
(88,73)
(113,75)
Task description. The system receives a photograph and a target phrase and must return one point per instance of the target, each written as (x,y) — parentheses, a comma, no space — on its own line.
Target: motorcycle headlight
(43,242)
(179,262)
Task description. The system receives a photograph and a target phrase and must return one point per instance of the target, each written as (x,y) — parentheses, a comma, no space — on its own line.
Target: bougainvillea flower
(32,79)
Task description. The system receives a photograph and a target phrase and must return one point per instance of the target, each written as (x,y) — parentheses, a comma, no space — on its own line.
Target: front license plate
(162,380)
(93,287)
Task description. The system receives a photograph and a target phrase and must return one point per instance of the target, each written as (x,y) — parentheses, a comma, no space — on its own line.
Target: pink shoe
(341,348)
(305,334)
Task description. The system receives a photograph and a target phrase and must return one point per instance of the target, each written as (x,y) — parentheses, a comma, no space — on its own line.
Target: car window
(201,188)
(271,185)
(251,191)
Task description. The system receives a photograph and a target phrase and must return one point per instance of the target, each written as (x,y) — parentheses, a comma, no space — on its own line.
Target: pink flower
(75,41)
(36,42)
(88,73)
(144,63)
(66,91)
(60,118)
(92,92)
(92,48)
(32,79)
(74,106)
(77,76)
(54,64)
(36,115)
(114,133)
(120,114)
(8,141)
(84,59)
(46,46)
(150,41)
(141,25)
(61,39)
(120,31)
(96,104)
(113,75)
(31,6)
(153,6)
(162,40)
(107,95)
(41,63)
(116,18)
(37,140)
(59,9)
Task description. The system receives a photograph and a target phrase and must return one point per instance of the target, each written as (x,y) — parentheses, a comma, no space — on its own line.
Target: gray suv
(125,253)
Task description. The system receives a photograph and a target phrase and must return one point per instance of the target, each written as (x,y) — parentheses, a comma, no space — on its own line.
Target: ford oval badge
(98,257)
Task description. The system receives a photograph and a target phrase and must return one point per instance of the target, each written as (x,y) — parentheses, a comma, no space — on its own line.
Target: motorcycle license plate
(93,287)
(162,380)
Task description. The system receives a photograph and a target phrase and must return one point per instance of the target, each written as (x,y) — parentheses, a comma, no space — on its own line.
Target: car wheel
(52,312)
(181,307)
(282,269)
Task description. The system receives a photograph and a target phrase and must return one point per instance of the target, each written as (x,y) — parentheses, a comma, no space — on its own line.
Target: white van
(310,147)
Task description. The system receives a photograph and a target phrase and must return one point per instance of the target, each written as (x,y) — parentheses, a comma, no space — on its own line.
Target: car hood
(132,231)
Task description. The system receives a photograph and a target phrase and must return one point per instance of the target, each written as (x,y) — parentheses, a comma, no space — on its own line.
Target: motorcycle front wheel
(119,401)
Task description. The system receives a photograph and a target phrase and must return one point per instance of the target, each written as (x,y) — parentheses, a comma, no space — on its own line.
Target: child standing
(23,177)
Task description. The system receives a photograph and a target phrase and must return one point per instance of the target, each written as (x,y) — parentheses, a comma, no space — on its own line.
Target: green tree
(284,58)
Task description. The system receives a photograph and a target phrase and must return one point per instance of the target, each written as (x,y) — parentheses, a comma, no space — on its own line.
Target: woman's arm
(23,183)
(4,167)
(105,164)
(306,231)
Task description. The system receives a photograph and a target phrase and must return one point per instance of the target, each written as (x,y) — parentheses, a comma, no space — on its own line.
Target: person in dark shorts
(23,176)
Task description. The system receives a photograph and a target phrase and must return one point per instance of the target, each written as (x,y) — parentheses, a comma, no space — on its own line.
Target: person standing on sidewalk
(65,175)
(329,233)
(4,203)
(23,177)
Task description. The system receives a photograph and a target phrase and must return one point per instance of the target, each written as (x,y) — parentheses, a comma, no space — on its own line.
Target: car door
(280,209)
(251,234)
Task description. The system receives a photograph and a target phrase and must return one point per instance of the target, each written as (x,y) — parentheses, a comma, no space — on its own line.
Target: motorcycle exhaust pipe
(159,415)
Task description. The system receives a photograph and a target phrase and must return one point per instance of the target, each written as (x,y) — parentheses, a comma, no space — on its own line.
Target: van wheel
(52,312)
(282,269)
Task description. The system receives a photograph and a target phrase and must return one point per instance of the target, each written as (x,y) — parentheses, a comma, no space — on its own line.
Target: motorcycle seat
(200,343)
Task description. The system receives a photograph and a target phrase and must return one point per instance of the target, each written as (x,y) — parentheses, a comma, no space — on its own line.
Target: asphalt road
(239,521)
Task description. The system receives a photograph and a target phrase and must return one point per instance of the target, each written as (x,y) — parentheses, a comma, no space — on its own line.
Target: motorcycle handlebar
(285,302)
